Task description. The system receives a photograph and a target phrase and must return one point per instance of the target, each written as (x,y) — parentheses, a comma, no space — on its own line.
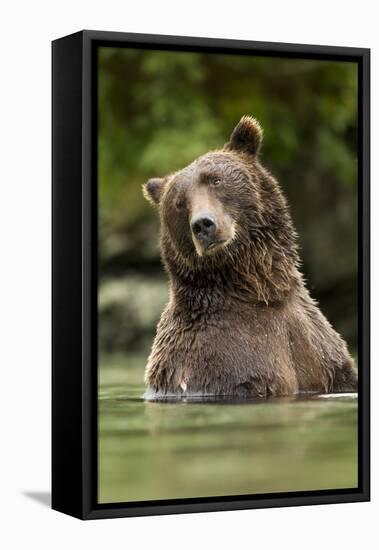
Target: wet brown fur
(240,321)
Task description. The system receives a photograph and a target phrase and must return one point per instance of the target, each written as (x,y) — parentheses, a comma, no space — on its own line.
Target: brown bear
(240,321)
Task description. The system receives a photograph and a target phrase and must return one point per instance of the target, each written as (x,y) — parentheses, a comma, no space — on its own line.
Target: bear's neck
(238,284)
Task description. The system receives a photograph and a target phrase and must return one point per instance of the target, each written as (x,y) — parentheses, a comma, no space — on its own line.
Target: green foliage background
(159,110)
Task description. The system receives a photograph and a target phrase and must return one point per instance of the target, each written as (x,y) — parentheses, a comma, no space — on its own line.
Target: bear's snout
(204,227)
(206,235)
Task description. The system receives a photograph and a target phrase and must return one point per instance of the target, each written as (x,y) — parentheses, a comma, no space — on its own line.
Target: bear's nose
(203,226)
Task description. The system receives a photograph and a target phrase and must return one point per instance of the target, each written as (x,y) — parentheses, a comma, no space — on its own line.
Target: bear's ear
(246,137)
(152,190)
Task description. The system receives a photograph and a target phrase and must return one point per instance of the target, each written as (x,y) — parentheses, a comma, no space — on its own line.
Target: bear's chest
(221,352)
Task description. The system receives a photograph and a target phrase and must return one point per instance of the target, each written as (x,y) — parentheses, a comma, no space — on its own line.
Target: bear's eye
(180,204)
(216,182)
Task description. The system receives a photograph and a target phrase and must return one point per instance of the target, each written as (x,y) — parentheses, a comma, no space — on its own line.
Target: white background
(26,31)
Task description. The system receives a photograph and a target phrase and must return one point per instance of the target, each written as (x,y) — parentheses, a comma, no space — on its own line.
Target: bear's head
(224,210)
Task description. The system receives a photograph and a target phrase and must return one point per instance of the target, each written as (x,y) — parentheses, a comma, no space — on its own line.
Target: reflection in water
(205,447)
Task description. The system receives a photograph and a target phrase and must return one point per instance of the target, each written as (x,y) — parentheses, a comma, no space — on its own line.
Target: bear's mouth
(208,249)
(215,244)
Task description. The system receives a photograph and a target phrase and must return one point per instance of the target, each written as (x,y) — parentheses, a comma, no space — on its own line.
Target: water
(167,450)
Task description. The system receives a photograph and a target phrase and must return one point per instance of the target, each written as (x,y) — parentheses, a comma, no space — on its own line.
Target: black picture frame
(74,273)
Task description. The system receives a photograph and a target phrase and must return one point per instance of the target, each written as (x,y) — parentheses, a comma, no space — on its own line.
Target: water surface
(195,448)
